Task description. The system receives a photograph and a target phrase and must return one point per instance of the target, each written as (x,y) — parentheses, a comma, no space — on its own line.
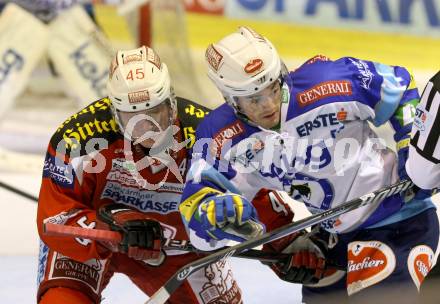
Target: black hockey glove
(142,237)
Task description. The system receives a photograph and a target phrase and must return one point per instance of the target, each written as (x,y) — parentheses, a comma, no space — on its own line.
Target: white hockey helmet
(138,80)
(138,83)
(243,63)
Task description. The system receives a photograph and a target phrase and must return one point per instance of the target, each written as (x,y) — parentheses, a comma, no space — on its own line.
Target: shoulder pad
(317,58)
(93,121)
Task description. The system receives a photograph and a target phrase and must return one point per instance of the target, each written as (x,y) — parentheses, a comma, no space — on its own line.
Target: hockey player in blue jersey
(307,133)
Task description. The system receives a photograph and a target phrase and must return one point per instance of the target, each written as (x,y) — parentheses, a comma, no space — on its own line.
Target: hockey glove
(306,263)
(142,237)
(226,216)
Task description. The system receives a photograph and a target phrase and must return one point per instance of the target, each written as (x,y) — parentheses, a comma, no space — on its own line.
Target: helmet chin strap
(250,122)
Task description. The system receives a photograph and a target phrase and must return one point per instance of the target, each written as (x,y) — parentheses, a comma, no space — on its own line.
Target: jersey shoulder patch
(93,121)
(190,113)
(223,124)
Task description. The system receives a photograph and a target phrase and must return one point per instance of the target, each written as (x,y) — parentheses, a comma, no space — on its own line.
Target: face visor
(147,126)
(263,108)
(272,93)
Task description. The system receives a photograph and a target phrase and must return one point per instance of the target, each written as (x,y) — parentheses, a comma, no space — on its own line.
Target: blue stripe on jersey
(410,209)
(393,87)
(208,173)
(410,95)
(387,207)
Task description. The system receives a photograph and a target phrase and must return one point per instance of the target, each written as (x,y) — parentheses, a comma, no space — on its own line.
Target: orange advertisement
(215,7)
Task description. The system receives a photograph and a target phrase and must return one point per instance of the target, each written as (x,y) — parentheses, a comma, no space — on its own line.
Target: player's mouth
(271,115)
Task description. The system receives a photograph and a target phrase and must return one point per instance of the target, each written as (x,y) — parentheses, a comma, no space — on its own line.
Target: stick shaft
(177,279)
(18,191)
(170,244)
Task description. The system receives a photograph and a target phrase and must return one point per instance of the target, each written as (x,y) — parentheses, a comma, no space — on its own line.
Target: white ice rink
(18,284)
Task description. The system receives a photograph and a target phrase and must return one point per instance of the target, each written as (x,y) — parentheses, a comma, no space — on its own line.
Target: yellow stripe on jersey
(412,84)
(403,143)
(189,206)
(209,209)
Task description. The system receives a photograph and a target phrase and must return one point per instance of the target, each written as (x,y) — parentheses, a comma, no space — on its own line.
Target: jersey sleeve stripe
(431,96)
(428,144)
(434,87)
(425,95)
(427,156)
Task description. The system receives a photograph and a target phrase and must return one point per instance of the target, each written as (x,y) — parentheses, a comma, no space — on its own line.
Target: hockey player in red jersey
(120,164)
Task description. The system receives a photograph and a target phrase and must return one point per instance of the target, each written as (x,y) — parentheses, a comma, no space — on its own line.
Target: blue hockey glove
(402,138)
(226,216)
(402,157)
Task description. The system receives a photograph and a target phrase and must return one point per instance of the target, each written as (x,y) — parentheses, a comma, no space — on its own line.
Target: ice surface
(258,283)
(19,249)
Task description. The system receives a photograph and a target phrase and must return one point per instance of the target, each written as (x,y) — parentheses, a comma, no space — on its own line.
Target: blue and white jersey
(324,153)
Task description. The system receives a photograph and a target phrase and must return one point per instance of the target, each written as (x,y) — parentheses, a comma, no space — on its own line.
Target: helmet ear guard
(242,64)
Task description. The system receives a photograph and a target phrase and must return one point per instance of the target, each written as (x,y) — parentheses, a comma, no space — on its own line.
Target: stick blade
(51,229)
(159,297)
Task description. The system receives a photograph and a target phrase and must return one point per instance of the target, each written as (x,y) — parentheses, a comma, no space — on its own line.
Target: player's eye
(255,101)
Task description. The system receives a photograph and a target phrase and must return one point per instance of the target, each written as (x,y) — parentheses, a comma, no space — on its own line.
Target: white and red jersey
(87,165)
(423,165)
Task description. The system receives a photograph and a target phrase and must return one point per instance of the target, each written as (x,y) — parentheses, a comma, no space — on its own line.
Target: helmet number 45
(138,73)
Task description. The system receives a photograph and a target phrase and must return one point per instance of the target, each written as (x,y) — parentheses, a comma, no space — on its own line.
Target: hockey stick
(18,191)
(170,244)
(161,295)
